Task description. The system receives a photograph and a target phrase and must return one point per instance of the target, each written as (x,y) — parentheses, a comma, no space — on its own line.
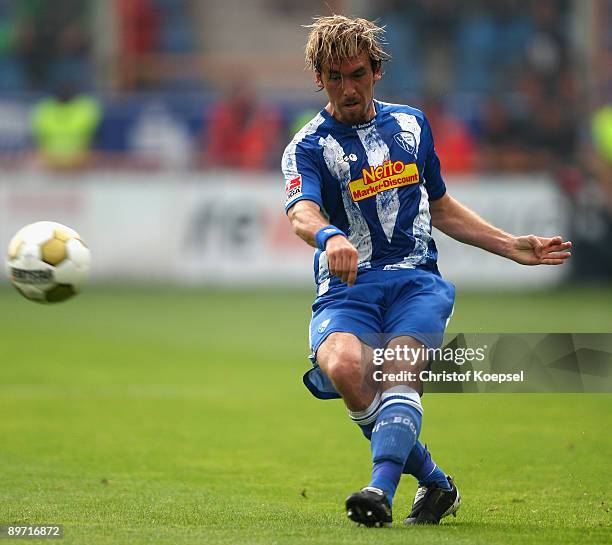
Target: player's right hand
(342,259)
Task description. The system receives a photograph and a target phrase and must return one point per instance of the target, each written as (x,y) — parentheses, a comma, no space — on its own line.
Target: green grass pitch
(178,416)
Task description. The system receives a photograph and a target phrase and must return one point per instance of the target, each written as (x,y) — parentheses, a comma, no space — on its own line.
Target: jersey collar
(351,128)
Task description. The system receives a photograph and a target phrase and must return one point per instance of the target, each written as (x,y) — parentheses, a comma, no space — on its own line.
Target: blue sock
(367,430)
(386,475)
(393,437)
(420,464)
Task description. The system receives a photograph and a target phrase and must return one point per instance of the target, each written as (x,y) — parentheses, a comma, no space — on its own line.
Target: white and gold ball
(47,262)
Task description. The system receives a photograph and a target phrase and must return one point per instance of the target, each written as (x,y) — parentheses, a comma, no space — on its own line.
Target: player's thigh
(357,311)
(421,305)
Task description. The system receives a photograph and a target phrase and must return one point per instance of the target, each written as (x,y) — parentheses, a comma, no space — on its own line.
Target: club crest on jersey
(389,175)
(406,141)
(293,188)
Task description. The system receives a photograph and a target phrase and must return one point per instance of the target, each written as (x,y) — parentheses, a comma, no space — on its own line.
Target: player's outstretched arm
(459,222)
(307,220)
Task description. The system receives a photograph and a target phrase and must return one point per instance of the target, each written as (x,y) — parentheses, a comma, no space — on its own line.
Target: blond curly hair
(335,38)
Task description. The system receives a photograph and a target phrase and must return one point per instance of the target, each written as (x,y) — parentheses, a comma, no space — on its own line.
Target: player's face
(350,88)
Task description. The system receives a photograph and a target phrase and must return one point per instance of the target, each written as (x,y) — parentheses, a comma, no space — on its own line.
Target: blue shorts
(380,306)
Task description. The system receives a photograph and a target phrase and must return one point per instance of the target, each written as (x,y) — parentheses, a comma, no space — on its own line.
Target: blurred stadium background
(137,122)
(153,109)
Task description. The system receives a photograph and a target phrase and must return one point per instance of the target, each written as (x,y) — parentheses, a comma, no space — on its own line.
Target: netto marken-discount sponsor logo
(31,276)
(387,176)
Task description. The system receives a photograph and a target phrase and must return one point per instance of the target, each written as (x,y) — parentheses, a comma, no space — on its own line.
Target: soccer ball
(47,262)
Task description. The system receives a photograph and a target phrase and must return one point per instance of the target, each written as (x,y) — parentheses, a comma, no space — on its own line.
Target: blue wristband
(324,234)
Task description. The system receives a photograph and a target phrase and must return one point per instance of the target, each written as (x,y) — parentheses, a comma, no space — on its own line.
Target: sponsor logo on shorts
(389,175)
(293,188)
(323,325)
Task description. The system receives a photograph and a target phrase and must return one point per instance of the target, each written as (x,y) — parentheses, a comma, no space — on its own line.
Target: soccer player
(363,186)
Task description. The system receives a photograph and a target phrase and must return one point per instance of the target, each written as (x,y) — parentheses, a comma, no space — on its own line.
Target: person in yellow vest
(601,131)
(63,129)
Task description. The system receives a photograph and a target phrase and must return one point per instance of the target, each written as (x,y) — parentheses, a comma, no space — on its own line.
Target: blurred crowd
(499,81)
(513,55)
(93,84)
(42,43)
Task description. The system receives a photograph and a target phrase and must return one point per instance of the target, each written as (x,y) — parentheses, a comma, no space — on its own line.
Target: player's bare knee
(345,369)
(340,357)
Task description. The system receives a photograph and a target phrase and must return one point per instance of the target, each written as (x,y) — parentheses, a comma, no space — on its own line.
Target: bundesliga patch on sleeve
(293,188)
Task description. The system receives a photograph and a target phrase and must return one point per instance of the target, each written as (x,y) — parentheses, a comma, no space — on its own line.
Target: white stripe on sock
(369,414)
(408,395)
(404,401)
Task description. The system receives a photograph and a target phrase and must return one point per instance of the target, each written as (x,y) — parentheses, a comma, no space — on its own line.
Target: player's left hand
(534,250)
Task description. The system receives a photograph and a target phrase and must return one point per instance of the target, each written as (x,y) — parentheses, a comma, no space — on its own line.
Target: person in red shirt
(242,132)
(454,143)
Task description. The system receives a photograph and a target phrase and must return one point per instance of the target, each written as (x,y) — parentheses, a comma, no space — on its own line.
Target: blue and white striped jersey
(374,181)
